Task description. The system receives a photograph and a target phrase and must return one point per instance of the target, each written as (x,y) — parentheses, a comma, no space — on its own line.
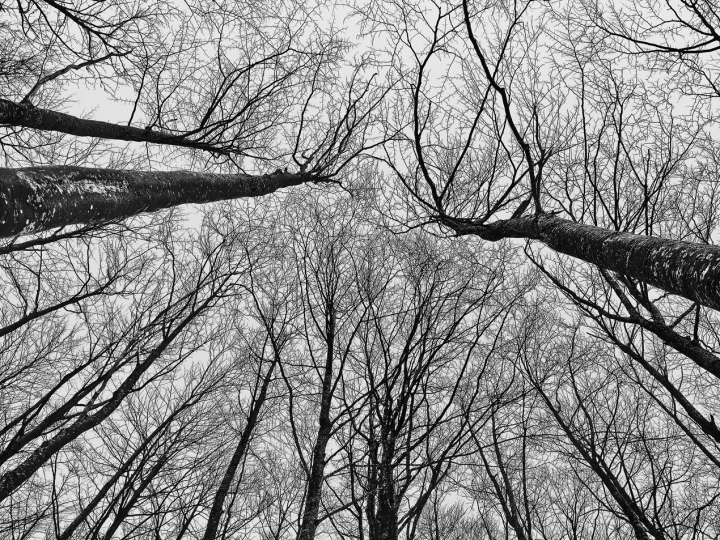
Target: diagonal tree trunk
(40,198)
(13,478)
(29,116)
(682,268)
(216,512)
(633,513)
(121,471)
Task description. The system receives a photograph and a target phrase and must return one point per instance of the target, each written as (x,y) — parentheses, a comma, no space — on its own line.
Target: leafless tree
(494,138)
(594,454)
(424,358)
(250,85)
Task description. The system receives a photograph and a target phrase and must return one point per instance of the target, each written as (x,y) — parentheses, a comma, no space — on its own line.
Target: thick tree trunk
(382,508)
(386,522)
(682,268)
(40,198)
(26,115)
(386,519)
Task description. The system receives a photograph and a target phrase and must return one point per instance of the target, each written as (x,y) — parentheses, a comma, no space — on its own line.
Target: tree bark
(29,116)
(386,518)
(682,268)
(39,198)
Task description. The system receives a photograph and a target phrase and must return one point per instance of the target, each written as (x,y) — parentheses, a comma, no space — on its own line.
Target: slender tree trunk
(15,477)
(507,506)
(36,314)
(12,479)
(29,116)
(39,198)
(317,467)
(634,514)
(504,493)
(682,268)
(217,508)
(119,473)
(124,511)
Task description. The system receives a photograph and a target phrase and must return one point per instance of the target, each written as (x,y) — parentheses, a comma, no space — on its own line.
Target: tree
(40,198)
(274,307)
(252,101)
(424,357)
(499,135)
(330,321)
(606,163)
(580,450)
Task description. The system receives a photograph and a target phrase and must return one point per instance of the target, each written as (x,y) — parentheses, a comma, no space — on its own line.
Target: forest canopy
(381,269)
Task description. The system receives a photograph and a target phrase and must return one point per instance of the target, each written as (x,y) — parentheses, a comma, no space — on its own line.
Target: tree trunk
(382,508)
(314,490)
(633,512)
(29,116)
(216,511)
(121,471)
(40,198)
(317,468)
(386,518)
(682,268)
(12,479)
(123,512)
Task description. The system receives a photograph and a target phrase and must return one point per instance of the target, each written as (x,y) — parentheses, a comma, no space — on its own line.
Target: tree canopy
(382,269)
